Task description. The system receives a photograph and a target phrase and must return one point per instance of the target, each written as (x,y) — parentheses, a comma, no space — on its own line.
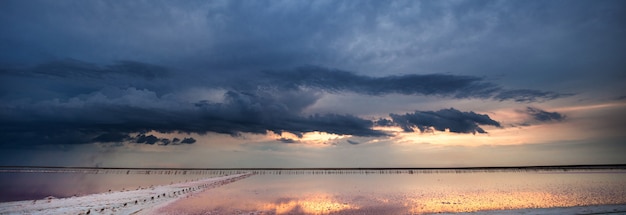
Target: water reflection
(406,194)
(316,203)
(484,201)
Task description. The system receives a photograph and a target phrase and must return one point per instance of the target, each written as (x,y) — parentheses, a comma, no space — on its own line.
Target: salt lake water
(349,192)
(26,185)
(409,193)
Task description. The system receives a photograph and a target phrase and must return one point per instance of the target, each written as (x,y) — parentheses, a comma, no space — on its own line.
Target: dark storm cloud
(73,111)
(63,79)
(384,122)
(528,95)
(215,34)
(150,139)
(188,140)
(111,137)
(543,116)
(287,140)
(453,119)
(278,112)
(71,68)
(518,40)
(99,117)
(69,78)
(333,80)
(247,48)
(352,142)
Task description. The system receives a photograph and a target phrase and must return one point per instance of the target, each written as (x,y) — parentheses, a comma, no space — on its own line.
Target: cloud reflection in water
(406,194)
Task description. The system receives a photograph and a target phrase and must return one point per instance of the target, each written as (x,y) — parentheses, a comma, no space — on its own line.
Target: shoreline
(119,202)
(86,169)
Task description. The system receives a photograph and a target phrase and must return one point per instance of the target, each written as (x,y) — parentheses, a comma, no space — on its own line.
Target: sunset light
(149,107)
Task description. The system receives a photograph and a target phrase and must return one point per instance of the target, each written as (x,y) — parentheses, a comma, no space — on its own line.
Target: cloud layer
(431,84)
(73,102)
(543,116)
(452,119)
(249,57)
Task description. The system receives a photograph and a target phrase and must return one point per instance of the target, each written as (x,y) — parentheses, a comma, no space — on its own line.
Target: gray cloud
(188,140)
(333,80)
(68,78)
(71,68)
(453,119)
(150,139)
(63,79)
(111,138)
(352,142)
(526,95)
(287,140)
(543,116)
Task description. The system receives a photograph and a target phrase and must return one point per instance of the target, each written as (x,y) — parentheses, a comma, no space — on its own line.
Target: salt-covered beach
(119,202)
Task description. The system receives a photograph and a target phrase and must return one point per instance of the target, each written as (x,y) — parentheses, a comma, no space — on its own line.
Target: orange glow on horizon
(590,107)
(316,204)
(482,201)
(315,138)
(532,134)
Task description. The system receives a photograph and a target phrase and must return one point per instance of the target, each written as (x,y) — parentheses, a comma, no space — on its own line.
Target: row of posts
(266,171)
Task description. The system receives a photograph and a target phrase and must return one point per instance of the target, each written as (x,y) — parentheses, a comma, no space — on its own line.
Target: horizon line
(576,166)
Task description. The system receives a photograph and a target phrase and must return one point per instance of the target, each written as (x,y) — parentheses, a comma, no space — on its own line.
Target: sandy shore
(124,202)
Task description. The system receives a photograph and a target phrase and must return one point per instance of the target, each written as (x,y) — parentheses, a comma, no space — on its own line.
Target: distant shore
(133,170)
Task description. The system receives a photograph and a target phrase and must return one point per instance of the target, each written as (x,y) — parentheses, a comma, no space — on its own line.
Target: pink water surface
(406,193)
(30,186)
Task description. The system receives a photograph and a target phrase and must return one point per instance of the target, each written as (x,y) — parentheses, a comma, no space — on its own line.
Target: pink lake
(407,193)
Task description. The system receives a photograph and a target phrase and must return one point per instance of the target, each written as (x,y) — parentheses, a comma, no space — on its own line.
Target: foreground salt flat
(124,202)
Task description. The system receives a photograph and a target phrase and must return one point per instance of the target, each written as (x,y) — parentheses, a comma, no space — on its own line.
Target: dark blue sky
(98,79)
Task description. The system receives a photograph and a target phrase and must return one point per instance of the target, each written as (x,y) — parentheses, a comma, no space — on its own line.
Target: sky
(254,84)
